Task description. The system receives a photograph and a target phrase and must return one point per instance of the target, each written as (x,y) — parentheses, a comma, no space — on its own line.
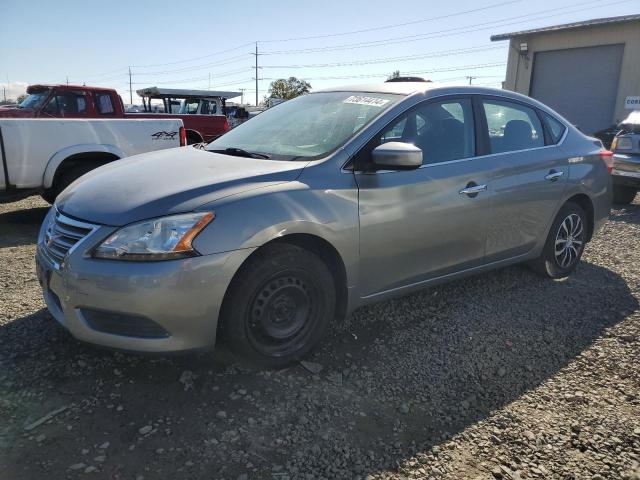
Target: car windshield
(35,99)
(307,127)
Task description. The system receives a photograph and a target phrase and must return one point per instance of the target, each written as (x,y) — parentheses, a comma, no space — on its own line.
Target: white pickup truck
(46,155)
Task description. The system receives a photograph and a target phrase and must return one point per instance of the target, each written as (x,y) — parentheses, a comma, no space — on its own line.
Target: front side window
(512,126)
(191,106)
(444,131)
(306,127)
(67,104)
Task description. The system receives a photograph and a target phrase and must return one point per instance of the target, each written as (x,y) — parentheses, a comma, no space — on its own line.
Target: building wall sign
(632,103)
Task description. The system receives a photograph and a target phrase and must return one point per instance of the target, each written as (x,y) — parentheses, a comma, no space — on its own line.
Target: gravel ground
(504,375)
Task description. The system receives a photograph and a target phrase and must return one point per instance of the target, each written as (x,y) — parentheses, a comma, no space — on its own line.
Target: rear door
(529,175)
(419,224)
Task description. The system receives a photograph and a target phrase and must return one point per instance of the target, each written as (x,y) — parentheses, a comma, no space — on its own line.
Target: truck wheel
(278,306)
(66,178)
(565,243)
(624,195)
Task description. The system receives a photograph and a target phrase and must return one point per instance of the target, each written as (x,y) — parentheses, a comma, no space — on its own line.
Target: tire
(278,306)
(66,178)
(624,195)
(569,234)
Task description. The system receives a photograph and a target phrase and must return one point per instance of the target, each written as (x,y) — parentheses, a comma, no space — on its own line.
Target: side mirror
(397,156)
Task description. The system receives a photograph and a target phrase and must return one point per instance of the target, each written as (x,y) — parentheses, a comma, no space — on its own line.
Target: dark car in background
(626,160)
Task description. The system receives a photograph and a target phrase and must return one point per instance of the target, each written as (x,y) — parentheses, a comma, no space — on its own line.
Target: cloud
(12,89)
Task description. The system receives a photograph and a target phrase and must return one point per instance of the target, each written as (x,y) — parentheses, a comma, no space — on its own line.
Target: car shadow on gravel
(396,378)
(20,227)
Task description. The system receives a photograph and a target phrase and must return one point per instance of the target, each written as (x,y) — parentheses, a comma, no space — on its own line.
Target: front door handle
(552,176)
(472,189)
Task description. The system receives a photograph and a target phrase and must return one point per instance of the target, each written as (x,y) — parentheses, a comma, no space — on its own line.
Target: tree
(395,74)
(21,98)
(288,88)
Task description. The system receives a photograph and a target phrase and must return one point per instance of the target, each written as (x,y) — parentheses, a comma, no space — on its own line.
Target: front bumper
(182,298)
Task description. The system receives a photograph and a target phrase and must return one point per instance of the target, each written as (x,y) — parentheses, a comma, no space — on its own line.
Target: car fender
(61,155)
(255,218)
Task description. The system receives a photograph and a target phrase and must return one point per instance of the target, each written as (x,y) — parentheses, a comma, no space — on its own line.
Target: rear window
(555,127)
(104,104)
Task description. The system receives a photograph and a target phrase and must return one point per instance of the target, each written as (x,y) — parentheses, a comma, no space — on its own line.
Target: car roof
(432,89)
(63,86)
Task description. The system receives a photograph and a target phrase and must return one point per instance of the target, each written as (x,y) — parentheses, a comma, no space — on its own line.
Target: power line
(440,53)
(448,32)
(395,25)
(413,72)
(200,67)
(244,45)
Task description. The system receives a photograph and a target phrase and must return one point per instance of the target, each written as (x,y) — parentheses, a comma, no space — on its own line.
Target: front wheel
(565,243)
(279,306)
(66,178)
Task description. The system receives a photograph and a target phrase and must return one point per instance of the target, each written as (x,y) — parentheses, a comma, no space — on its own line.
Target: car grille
(62,234)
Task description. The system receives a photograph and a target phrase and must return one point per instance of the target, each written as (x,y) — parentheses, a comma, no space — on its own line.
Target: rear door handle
(472,189)
(552,176)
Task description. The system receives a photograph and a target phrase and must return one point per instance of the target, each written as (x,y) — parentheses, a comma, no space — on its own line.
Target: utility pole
(130,89)
(4,93)
(67,79)
(256,54)
(470,79)
(242,95)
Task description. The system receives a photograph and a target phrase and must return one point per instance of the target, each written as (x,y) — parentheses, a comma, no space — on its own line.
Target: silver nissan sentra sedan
(313,208)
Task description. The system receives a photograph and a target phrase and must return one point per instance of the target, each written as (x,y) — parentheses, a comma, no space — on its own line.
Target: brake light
(225,125)
(607,158)
(183,136)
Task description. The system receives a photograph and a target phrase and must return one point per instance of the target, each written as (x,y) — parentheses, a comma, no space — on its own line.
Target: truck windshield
(307,127)
(35,100)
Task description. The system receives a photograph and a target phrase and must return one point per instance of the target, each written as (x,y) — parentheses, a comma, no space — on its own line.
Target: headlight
(158,239)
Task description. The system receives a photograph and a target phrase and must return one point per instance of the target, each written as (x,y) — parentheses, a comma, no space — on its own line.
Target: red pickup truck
(74,101)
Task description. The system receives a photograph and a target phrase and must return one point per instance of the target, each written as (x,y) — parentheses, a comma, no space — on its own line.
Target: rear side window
(512,126)
(555,128)
(104,105)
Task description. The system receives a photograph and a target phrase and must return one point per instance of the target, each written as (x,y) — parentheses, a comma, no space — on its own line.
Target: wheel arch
(586,204)
(315,244)
(193,136)
(70,156)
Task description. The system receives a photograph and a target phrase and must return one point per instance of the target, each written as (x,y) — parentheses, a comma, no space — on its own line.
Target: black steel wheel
(278,306)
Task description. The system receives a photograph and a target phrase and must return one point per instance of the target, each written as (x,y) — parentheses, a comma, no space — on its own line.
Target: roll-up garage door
(580,83)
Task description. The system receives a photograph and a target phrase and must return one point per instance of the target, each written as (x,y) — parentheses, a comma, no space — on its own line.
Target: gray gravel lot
(504,375)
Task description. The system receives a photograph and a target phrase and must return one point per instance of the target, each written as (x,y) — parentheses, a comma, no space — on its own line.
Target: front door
(420,224)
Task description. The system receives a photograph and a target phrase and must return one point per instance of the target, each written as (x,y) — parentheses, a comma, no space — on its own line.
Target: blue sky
(180,44)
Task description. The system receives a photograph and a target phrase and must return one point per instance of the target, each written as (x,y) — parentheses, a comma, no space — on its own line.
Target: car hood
(169,181)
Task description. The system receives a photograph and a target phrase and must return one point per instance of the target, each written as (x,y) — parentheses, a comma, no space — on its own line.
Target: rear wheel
(565,243)
(624,195)
(66,178)
(279,306)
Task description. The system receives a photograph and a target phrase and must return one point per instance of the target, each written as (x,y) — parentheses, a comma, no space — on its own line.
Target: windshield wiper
(239,152)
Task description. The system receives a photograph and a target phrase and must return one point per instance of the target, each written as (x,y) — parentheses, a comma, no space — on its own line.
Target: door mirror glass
(397,156)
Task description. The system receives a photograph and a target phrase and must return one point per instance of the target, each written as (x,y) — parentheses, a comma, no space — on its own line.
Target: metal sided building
(588,71)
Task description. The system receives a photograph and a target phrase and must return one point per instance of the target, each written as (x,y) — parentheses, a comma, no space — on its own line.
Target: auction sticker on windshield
(360,100)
